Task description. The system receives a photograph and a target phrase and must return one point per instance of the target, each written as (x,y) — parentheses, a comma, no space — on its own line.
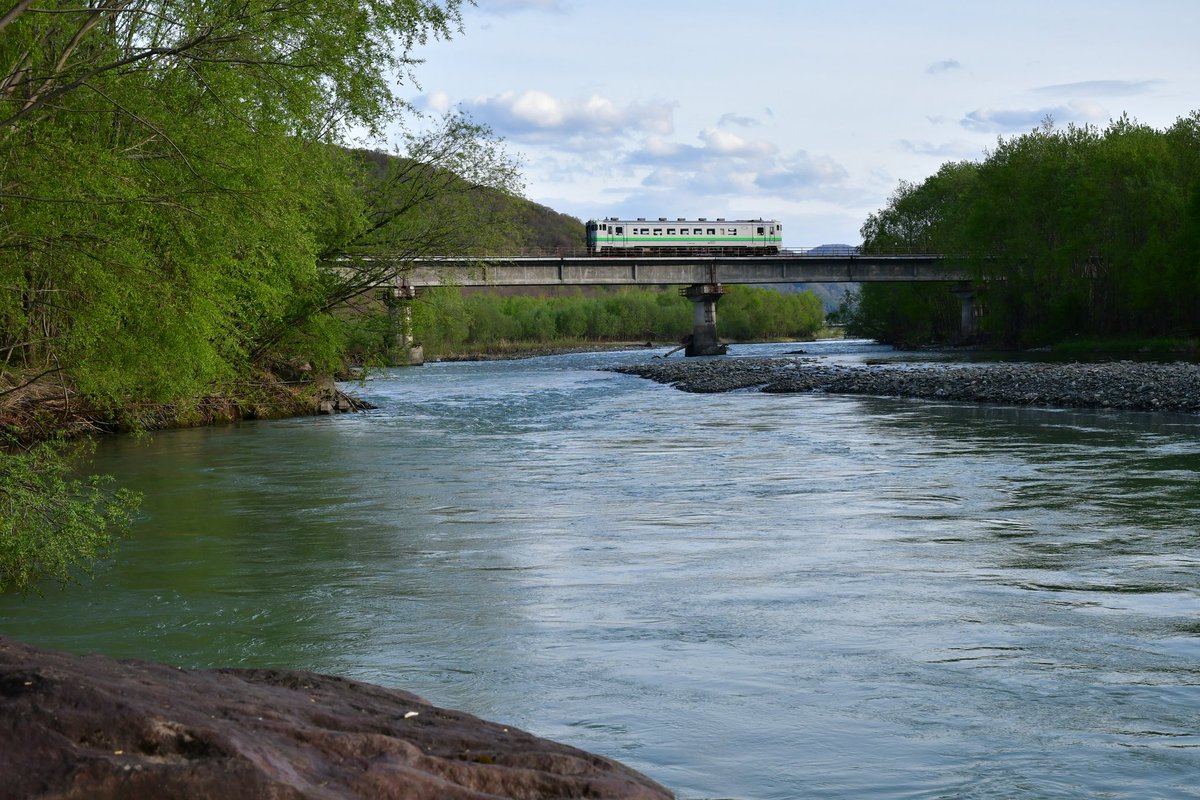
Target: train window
(670,231)
(712,231)
(697,232)
(760,231)
(658,231)
(620,229)
(645,231)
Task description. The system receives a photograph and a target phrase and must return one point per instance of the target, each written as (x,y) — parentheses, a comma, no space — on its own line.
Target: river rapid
(741,595)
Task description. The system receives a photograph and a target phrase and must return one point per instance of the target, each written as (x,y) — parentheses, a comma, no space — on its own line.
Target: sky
(806,112)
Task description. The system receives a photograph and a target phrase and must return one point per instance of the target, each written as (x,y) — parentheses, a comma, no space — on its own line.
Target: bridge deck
(585,270)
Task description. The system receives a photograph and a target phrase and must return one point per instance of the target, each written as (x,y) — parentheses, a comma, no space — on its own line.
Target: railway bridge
(704,276)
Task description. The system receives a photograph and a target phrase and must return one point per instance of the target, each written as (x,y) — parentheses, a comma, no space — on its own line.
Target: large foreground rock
(96,728)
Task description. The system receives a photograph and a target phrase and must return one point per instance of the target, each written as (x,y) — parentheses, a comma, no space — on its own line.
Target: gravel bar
(1125,385)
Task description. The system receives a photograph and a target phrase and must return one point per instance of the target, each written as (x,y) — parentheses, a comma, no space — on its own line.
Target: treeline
(448,321)
(1075,231)
(179,222)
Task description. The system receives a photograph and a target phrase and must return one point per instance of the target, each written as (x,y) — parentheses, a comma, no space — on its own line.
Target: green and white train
(618,237)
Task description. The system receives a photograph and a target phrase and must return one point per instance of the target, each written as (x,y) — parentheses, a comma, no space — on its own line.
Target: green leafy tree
(168,183)
(920,218)
(1070,231)
(54,526)
(178,215)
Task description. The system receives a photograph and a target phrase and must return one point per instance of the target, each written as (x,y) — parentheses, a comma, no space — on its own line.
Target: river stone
(1125,385)
(98,728)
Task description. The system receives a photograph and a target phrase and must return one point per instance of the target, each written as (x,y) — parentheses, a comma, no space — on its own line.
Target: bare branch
(14,12)
(143,55)
(31,381)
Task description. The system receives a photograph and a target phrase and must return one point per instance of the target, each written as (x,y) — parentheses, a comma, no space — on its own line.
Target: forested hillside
(1074,231)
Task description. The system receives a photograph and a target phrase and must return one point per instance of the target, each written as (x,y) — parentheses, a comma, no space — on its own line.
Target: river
(740,595)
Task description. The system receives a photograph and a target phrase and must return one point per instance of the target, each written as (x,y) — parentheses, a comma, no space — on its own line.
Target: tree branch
(14,12)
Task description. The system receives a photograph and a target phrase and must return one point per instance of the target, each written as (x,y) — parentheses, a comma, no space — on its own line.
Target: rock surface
(97,728)
(1126,385)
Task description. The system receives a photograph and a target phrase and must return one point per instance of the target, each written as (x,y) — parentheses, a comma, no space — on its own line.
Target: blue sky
(807,112)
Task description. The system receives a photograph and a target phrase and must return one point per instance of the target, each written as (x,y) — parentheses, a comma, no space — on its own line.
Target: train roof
(687,220)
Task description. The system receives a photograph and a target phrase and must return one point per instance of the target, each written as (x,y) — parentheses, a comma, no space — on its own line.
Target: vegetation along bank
(1069,232)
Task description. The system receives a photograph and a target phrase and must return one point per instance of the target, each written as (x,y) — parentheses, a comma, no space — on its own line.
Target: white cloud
(437,102)
(535,109)
(727,165)
(535,115)
(503,8)
(949,65)
(738,120)
(730,144)
(715,146)
(1100,88)
(1010,120)
(801,172)
(957,149)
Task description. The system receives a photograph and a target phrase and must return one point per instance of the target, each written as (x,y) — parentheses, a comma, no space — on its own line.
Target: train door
(601,235)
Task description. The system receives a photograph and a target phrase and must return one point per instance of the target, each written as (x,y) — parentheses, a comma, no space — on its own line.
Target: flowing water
(741,595)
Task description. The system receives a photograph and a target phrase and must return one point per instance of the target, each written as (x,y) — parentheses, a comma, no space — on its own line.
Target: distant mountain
(830,294)
(834,250)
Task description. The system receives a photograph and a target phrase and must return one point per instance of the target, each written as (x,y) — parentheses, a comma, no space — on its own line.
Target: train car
(615,237)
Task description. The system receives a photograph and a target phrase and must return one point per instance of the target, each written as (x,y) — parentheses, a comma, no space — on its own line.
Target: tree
(1070,231)
(929,217)
(52,525)
(168,179)
(175,208)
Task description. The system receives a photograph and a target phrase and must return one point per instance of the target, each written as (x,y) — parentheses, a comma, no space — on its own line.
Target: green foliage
(923,218)
(447,321)
(170,193)
(540,229)
(1087,231)
(1126,347)
(903,314)
(748,313)
(54,525)
(176,215)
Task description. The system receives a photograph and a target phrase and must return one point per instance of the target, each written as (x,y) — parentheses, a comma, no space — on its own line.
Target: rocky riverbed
(1126,385)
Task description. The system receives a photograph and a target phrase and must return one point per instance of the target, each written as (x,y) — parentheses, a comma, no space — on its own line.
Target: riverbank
(1125,385)
(95,727)
(45,406)
(529,350)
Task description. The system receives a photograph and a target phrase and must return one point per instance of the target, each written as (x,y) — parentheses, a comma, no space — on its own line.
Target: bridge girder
(677,270)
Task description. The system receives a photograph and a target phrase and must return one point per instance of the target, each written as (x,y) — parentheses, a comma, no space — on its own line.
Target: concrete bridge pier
(966,296)
(402,352)
(703,341)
